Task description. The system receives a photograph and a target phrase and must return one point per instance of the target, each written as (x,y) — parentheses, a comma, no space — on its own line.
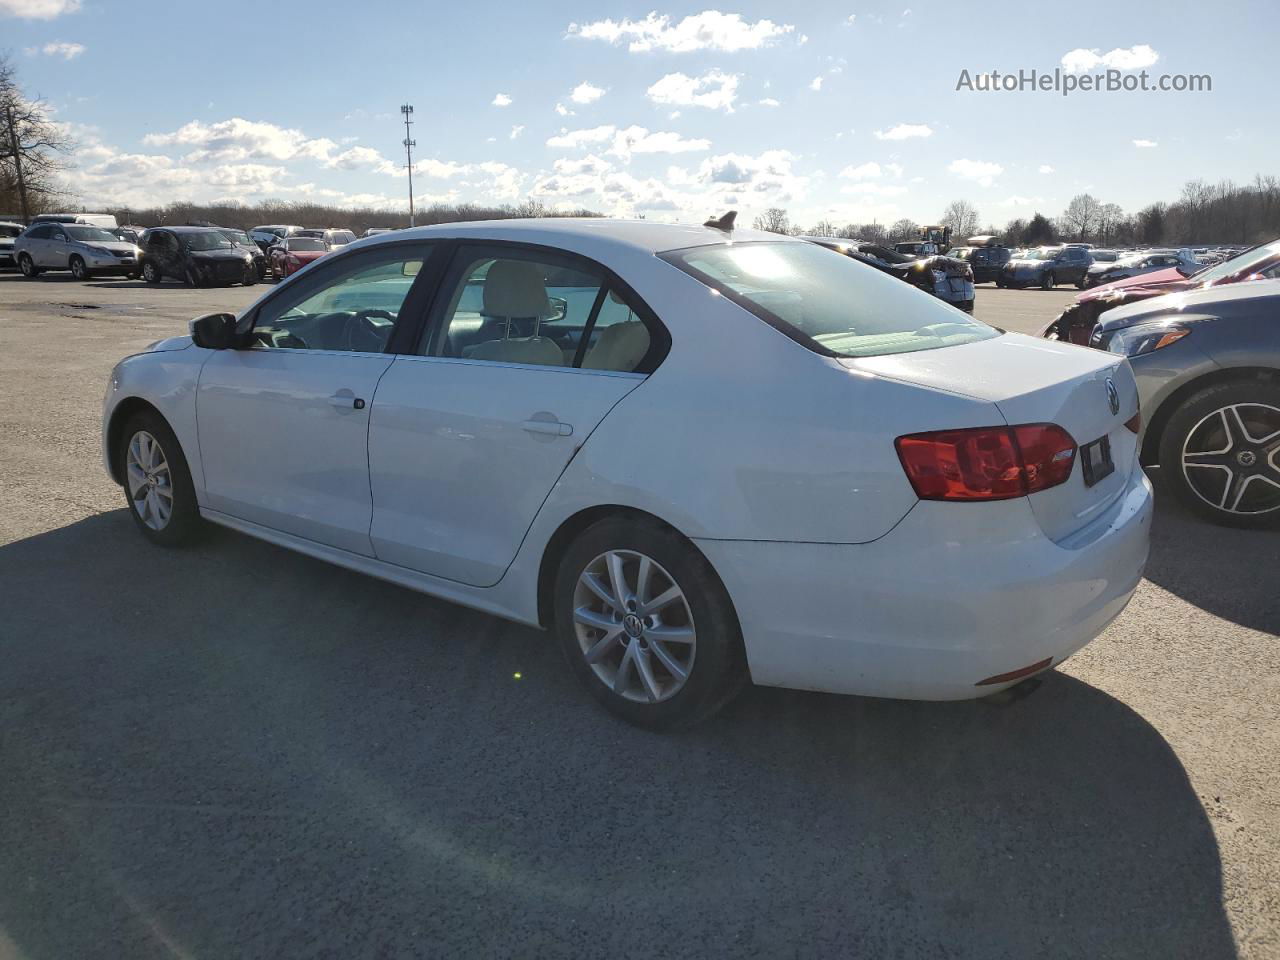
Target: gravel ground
(237,751)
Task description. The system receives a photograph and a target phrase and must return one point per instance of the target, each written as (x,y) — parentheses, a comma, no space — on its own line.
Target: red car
(293,253)
(1076,322)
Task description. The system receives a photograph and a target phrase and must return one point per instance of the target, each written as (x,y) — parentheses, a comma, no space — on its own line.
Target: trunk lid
(1039,381)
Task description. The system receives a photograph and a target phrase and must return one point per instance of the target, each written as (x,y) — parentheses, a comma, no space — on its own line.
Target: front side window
(829,303)
(352,306)
(530,311)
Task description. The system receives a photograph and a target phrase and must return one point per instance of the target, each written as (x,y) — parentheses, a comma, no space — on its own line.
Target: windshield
(1043,253)
(305,244)
(239,237)
(212,240)
(91,234)
(1244,263)
(827,301)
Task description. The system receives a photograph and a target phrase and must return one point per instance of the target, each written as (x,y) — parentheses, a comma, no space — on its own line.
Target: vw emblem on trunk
(1113,396)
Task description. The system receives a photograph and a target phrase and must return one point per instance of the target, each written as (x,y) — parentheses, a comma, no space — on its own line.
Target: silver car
(1208,369)
(82,249)
(8,233)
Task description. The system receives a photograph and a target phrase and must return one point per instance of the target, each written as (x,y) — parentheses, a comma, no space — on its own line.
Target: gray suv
(82,249)
(1046,267)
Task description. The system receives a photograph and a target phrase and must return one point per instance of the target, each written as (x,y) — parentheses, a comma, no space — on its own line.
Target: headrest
(514,288)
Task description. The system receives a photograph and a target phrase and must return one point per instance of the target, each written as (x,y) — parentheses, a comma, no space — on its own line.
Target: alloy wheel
(77,269)
(1231,459)
(634,626)
(150,482)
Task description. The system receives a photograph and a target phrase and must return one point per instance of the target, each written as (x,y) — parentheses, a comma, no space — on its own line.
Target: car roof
(580,234)
(191,229)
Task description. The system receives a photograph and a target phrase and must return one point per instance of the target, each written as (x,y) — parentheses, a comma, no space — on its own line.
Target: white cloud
(709,30)
(864,171)
(37,9)
(714,90)
(850,20)
(628,141)
(1045,168)
(1145,143)
(980,172)
(1020,201)
(905,131)
(363,158)
(815,83)
(516,130)
(571,139)
(563,110)
(804,38)
(68,51)
(238,139)
(873,189)
(501,100)
(768,102)
(586,92)
(1136,57)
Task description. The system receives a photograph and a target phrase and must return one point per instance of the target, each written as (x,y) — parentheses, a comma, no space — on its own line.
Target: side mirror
(214,331)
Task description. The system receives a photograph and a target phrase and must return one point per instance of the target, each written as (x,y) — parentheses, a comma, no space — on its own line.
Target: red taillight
(987,463)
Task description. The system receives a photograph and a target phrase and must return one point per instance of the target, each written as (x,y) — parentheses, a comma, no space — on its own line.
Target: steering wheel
(365,336)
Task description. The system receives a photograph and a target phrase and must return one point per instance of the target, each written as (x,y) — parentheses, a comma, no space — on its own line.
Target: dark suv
(1046,267)
(200,256)
(985,261)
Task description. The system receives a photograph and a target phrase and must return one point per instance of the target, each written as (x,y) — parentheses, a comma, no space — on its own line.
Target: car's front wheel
(647,625)
(1048,281)
(78,268)
(28,266)
(151,273)
(157,481)
(1220,452)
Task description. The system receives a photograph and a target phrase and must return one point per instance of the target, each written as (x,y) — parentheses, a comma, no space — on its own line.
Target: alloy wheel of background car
(149,480)
(150,273)
(1222,451)
(28,266)
(1049,281)
(634,626)
(1231,458)
(78,269)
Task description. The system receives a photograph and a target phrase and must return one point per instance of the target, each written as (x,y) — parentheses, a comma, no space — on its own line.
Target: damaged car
(946,278)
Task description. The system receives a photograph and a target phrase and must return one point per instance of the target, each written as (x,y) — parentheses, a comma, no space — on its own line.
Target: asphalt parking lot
(234,750)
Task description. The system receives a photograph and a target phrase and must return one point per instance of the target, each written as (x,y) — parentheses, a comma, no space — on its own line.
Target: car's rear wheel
(1048,281)
(78,268)
(646,624)
(1220,452)
(157,481)
(151,273)
(28,266)
(1081,283)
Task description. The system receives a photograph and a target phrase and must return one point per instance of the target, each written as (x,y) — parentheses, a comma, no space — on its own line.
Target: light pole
(409,144)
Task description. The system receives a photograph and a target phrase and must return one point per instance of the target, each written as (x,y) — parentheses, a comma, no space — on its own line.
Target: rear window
(827,301)
(306,244)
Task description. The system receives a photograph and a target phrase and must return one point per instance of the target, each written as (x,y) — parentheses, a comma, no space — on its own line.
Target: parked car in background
(129,233)
(9,232)
(1046,267)
(985,255)
(946,278)
(903,501)
(1103,256)
(198,256)
(375,231)
(1134,266)
(293,253)
(84,250)
(1207,363)
(333,237)
(1075,323)
(269,235)
(104,220)
(242,239)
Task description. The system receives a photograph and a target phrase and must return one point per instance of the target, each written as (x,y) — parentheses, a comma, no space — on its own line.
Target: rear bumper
(954,594)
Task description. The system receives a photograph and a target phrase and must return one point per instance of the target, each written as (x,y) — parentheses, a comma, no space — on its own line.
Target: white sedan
(698,455)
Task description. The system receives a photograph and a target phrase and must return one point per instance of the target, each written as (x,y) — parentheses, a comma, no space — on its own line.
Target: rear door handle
(553,428)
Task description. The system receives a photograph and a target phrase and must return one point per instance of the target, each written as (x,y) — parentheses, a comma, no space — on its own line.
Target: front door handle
(552,428)
(346,400)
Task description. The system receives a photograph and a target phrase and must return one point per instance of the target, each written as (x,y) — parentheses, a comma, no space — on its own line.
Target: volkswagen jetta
(699,455)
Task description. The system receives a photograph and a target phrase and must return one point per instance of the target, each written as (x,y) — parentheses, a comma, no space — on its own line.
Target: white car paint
(776,461)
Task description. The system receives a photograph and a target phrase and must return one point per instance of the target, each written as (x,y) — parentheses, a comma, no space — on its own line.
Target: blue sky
(844,111)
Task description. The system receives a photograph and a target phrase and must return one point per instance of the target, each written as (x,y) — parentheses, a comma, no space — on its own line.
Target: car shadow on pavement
(237,750)
(1218,569)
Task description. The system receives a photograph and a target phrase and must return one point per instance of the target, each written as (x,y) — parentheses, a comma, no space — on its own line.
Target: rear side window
(828,302)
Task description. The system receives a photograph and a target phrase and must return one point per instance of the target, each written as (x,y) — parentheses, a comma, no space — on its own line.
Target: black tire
(250,276)
(1048,281)
(184,520)
(133,275)
(1080,284)
(718,668)
(1193,425)
(78,268)
(191,278)
(28,266)
(151,273)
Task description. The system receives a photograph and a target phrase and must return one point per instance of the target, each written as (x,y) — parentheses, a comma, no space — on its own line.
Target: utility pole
(409,144)
(17,162)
